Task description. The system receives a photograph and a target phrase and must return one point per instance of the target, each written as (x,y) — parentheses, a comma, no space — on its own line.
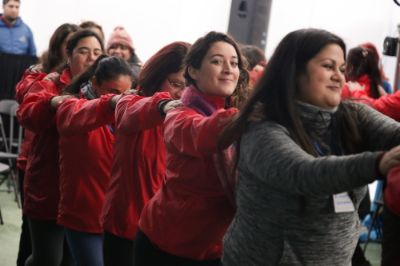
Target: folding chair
(10,147)
(375,216)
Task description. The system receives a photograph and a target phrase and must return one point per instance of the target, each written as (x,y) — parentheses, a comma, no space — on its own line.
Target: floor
(10,231)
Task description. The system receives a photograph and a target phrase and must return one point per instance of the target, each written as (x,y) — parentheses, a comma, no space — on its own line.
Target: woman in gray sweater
(304,168)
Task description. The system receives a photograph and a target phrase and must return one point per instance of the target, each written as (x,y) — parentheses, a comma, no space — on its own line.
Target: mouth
(334,87)
(226,80)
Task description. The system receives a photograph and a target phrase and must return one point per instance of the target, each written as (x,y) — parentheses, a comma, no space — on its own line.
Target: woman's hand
(57,100)
(389,159)
(171,105)
(355,86)
(54,76)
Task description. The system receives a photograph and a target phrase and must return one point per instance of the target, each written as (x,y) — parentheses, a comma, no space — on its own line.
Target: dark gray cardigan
(285,210)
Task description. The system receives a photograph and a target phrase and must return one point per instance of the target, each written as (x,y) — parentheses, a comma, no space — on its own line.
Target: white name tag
(343,203)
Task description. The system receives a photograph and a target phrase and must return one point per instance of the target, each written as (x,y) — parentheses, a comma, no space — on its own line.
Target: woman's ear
(192,72)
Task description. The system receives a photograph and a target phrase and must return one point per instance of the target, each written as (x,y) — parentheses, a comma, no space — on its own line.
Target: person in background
(363,73)
(139,150)
(184,222)
(56,56)
(41,186)
(120,44)
(91,25)
(385,80)
(257,62)
(86,139)
(303,169)
(15,36)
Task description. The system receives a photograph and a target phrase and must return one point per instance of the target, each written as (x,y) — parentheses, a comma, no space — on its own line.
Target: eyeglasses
(177,84)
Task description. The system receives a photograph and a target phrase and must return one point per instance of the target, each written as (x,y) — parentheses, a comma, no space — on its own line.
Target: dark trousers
(117,250)
(147,254)
(48,244)
(86,248)
(391,239)
(25,248)
(359,258)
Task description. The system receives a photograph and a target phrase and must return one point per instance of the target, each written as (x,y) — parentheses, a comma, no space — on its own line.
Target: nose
(338,76)
(227,68)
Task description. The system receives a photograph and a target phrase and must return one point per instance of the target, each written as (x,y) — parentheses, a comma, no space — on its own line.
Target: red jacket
(189,215)
(21,89)
(86,147)
(387,104)
(42,172)
(139,163)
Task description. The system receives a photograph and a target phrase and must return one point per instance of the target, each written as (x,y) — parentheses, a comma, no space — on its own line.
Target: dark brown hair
(166,61)
(53,57)
(363,61)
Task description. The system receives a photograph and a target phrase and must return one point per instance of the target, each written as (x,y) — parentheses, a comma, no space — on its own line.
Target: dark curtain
(12,68)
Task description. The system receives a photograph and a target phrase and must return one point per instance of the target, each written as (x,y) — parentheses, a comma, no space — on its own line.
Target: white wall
(356,21)
(154,23)
(151,23)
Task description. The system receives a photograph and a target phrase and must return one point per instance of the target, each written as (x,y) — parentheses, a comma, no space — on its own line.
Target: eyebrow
(220,55)
(87,48)
(331,60)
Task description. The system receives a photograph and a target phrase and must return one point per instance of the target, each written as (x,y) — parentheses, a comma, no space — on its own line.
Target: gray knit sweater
(285,212)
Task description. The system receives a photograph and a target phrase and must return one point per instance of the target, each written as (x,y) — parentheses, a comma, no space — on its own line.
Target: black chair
(10,146)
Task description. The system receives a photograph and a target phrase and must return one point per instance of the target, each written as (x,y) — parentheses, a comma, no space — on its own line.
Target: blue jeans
(86,248)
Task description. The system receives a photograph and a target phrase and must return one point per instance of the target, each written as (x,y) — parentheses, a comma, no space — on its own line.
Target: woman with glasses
(139,151)
(183,224)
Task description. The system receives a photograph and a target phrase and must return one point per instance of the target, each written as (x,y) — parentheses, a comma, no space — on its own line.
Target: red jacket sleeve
(23,86)
(35,112)
(346,92)
(388,104)
(136,113)
(191,133)
(82,115)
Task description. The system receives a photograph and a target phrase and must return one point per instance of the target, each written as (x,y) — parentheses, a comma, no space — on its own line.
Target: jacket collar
(202,103)
(8,24)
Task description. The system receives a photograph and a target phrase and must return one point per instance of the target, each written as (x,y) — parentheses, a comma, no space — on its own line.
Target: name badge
(343,203)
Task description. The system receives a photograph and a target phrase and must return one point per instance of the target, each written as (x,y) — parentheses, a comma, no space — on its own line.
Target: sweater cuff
(379,175)
(161,105)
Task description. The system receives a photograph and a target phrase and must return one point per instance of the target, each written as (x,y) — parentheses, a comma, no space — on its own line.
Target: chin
(227,92)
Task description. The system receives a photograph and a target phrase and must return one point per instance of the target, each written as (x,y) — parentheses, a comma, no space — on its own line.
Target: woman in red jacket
(56,55)
(139,151)
(362,71)
(41,187)
(85,126)
(183,224)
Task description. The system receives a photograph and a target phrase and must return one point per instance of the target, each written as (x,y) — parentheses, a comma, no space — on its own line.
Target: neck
(9,20)
(318,108)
